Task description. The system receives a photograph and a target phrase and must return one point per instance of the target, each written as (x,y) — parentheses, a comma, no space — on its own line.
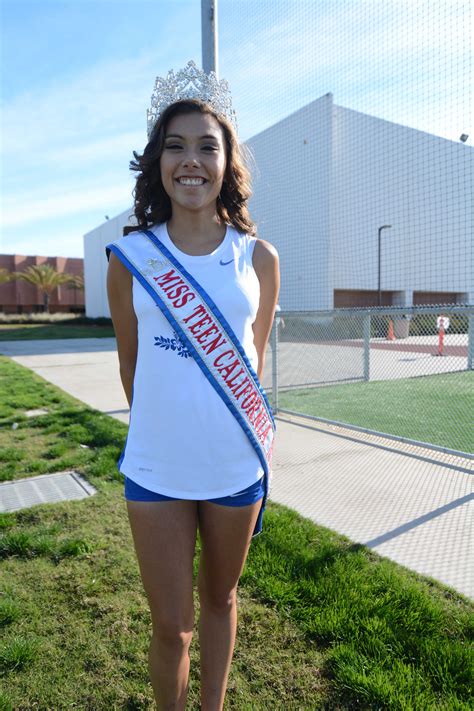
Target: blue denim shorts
(254,492)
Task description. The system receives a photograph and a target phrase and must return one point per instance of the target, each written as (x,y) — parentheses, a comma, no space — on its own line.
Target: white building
(326,178)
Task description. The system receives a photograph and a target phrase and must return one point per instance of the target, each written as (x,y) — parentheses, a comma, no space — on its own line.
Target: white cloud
(104,100)
(19,210)
(89,153)
(61,243)
(66,146)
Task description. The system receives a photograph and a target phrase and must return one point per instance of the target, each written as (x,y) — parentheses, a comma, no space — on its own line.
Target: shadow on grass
(88,441)
(82,426)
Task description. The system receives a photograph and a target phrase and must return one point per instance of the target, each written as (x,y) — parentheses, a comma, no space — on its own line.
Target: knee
(218,601)
(172,637)
(172,633)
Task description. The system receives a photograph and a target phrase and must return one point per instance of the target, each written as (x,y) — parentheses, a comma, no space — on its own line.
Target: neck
(195,228)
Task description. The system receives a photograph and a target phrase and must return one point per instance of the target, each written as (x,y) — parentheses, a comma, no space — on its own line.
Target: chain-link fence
(374,429)
(401,372)
(356,118)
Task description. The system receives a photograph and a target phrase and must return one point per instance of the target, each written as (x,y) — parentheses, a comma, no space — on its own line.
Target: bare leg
(164,534)
(217,633)
(226,534)
(168,665)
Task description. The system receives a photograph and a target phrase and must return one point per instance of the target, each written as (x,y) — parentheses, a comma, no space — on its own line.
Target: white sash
(207,335)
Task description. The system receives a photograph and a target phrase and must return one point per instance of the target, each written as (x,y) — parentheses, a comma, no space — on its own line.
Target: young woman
(188,462)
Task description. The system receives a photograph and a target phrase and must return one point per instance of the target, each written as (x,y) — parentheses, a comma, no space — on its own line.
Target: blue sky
(77,79)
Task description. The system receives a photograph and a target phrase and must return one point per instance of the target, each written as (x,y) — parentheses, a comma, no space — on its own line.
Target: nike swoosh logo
(224,263)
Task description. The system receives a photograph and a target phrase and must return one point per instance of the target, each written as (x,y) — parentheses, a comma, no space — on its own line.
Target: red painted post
(390,335)
(441,337)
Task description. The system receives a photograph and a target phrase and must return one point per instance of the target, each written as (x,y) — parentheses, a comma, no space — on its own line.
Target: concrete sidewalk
(411,505)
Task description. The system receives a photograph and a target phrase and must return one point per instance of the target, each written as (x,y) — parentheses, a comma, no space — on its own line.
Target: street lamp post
(380,263)
(209,36)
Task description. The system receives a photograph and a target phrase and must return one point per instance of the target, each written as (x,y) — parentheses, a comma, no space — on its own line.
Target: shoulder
(131,240)
(265,257)
(117,271)
(118,276)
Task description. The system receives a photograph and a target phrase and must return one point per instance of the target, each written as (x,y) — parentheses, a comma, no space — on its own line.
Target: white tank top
(182,440)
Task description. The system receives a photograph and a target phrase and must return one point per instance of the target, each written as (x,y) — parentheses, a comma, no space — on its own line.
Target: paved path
(412,506)
(303,364)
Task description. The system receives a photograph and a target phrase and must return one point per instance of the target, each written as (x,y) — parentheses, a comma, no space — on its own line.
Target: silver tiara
(190,83)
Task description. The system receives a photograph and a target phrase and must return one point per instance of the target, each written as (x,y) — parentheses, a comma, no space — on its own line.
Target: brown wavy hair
(152,204)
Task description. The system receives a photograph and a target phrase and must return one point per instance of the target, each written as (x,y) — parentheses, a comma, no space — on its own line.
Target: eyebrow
(176,135)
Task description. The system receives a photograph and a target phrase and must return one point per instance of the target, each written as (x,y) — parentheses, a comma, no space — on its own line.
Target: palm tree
(76,282)
(45,278)
(5,275)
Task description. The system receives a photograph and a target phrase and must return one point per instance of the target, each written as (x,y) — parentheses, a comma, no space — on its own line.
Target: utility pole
(209,36)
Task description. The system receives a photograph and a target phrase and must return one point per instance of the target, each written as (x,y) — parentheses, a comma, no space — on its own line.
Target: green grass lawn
(30,331)
(323,623)
(434,408)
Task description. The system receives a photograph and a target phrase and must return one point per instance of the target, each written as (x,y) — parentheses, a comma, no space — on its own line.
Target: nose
(191,160)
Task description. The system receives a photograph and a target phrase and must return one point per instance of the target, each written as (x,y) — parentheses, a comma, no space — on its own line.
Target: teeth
(191,181)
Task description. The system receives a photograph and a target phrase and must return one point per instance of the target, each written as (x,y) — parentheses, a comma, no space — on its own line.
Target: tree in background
(5,275)
(76,282)
(45,278)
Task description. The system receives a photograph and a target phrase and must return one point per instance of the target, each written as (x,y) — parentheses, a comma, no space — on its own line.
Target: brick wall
(18,296)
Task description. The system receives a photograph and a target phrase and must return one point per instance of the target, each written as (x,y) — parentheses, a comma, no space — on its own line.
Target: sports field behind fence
(387,370)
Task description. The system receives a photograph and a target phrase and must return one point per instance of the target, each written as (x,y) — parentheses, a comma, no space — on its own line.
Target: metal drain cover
(44,489)
(35,413)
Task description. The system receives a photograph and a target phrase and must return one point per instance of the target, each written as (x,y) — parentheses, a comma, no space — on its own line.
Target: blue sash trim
(219,316)
(169,316)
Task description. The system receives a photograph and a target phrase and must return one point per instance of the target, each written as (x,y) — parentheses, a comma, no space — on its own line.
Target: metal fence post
(470,345)
(274,345)
(366,332)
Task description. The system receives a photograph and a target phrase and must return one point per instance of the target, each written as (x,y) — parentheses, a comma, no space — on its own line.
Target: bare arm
(119,291)
(267,266)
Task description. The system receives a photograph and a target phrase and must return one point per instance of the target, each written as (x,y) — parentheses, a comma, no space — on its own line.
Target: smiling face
(193,162)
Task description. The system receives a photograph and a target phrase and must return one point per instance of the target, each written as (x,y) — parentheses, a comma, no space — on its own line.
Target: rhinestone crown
(190,83)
